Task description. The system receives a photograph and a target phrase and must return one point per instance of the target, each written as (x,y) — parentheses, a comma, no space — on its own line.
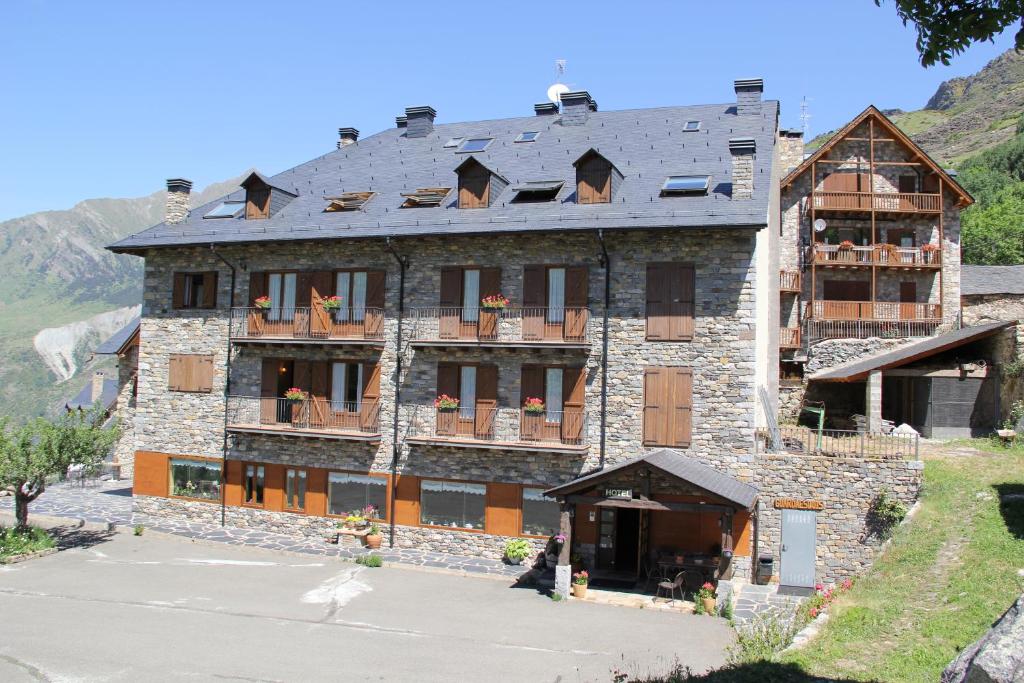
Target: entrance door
(799,539)
(627,540)
(606,539)
(908,300)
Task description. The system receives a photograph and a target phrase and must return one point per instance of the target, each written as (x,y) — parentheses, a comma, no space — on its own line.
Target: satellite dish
(820,225)
(556,91)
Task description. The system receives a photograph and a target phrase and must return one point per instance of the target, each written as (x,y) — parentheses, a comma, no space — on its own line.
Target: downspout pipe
(403,263)
(605,261)
(227,389)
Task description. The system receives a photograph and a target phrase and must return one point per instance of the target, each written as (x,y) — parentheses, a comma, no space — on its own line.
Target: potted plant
(373,538)
(354,520)
(706,595)
(262,302)
(447,415)
(534,406)
(496,302)
(517,550)
(444,402)
(490,311)
(331,303)
(846,245)
(296,395)
(579,584)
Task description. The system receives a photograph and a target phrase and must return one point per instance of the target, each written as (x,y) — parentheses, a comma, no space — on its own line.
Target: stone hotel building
(498,329)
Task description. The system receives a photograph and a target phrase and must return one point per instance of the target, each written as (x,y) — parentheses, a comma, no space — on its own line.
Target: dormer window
(537,190)
(425,197)
(262,199)
(596,179)
(227,210)
(347,201)
(685,184)
(475,145)
(479,186)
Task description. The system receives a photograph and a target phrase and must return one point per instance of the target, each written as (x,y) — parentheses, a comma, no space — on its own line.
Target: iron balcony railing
(499,426)
(840,443)
(566,325)
(873,310)
(881,255)
(901,202)
(311,323)
(360,418)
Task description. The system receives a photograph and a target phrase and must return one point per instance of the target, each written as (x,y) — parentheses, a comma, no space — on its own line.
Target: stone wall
(979,309)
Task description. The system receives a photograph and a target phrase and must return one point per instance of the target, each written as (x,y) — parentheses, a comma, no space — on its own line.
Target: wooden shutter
(407,500)
(670,301)
(930,184)
(683,302)
(257,202)
(451,303)
(320,391)
(268,390)
(178,291)
(209,290)
(233,484)
(574,387)
(576,313)
(375,285)
(655,418)
(303,375)
(303,288)
(658,302)
(370,410)
(175,372)
(681,416)
(255,321)
(593,181)
(908,300)
(203,373)
(486,401)
(474,187)
(448,379)
(531,385)
(503,509)
(321,287)
(534,300)
(257,286)
(151,474)
(490,282)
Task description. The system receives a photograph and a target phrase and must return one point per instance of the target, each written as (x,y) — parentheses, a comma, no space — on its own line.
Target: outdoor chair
(672,586)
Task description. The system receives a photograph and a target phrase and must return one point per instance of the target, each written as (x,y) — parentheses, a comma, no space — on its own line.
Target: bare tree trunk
(21,502)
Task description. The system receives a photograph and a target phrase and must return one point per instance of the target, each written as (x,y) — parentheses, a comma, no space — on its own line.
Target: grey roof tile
(85,400)
(991,280)
(117,340)
(646,145)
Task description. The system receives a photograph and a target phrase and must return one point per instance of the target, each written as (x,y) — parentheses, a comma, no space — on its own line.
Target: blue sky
(108,99)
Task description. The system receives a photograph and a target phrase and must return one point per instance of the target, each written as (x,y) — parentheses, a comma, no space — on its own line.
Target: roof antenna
(558,88)
(805,114)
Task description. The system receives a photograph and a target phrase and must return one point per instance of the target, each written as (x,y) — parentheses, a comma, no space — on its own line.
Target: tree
(42,449)
(946,28)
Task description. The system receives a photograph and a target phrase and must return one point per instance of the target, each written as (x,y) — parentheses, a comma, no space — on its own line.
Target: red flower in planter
(446,402)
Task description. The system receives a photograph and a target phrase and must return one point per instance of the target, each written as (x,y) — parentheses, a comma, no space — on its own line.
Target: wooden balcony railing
(307,323)
(881,255)
(513,428)
(789,280)
(873,310)
(900,202)
(789,338)
(309,418)
(503,326)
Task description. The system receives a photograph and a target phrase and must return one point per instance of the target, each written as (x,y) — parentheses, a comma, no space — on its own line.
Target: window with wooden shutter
(474,186)
(190,372)
(668,406)
(257,202)
(194,290)
(670,301)
(593,180)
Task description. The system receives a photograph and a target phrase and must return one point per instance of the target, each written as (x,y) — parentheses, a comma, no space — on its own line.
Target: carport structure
(660,509)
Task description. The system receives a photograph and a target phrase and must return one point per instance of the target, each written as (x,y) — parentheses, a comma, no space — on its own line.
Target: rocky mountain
(62,292)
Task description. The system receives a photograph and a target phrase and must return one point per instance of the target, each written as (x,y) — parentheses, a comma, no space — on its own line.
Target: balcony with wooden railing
(313,417)
(887,255)
(498,428)
(873,310)
(789,338)
(789,281)
(565,327)
(894,202)
(308,324)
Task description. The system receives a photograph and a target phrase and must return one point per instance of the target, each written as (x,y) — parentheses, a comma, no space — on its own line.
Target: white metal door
(799,540)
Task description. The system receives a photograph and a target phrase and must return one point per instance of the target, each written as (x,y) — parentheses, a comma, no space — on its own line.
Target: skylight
(692,126)
(537,190)
(453,142)
(347,201)
(528,136)
(475,144)
(686,184)
(226,210)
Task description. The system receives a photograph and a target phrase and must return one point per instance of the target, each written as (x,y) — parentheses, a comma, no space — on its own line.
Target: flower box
(533,406)
(331,303)
(496,302)
(296,395)
(262,302)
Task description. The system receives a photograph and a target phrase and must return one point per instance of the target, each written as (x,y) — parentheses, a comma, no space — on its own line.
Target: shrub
(20,541)
(518,549)
(138,529)
(764,636)
(370,561)
(556,597)
(885,514)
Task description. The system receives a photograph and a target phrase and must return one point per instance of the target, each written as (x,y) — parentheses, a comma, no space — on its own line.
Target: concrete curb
(15,559)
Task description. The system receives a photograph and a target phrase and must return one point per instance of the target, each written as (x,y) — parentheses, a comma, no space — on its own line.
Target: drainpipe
(606,262)
(403,263)
(227,391)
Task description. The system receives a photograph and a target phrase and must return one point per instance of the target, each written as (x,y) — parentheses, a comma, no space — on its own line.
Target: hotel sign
(620,494)
(798,504)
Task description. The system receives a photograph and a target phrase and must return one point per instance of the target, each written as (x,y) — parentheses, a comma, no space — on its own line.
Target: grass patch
(370,561)
(915,122)
(20,542)
(944,579)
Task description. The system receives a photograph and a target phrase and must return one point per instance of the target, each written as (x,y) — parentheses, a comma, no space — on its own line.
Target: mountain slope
(56,276)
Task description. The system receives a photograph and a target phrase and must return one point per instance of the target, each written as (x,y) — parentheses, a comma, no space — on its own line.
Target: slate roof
(859,369)
(85,400)
(991,280)
(677,465)
(116,342)
(646,145)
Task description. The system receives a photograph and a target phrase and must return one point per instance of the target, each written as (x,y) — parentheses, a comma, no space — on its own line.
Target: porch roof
(674,464)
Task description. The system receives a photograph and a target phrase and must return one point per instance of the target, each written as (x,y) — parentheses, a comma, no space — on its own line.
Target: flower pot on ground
(373,538)
(706,595)
(580,581)
(517,550)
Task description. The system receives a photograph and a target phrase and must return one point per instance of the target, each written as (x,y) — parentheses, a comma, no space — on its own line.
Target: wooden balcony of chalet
(863,319)
(524,327)
(308,418)
(362,326)
(884,255)
(789,281)
(504,429)
(879,202)
(789,338)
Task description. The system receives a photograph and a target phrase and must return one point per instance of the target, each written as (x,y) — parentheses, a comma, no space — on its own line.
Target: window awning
(675,465)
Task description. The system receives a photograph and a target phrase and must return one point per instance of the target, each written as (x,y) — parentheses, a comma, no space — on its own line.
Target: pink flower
(814,612)
(847,584)
(819,587)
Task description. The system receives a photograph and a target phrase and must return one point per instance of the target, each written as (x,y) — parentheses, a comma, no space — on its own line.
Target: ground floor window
(295,489)
(254,480)
(540,513)
(355,492)
(195,479)
(453,504)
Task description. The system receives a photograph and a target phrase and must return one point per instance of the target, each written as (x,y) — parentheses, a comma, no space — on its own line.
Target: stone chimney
(178,190)
(347,136)
(401,122)
(576,107)
(748,96)
(97,386)
(742,150)
(545,109)
(420,121)
(791,149)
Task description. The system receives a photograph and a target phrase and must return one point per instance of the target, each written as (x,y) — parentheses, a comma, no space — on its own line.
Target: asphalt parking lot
(163,608)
